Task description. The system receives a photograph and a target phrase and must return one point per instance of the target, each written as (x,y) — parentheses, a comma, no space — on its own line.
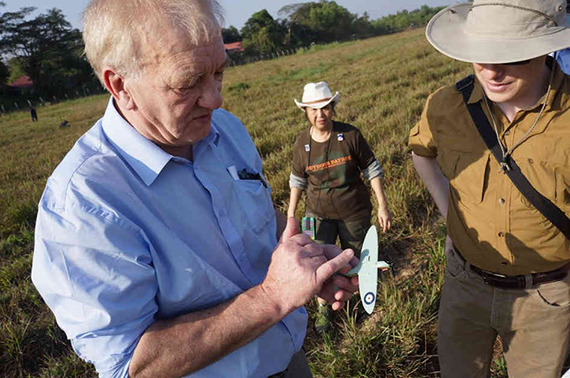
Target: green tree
(230,35)
(4,75)
(325,21)
(15,69)
(263,33)
(404,19)
(47,49)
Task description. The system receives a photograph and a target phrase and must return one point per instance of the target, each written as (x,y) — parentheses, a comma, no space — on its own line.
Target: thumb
(293,228)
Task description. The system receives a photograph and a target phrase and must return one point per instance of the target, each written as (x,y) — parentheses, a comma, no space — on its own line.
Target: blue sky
(238,11)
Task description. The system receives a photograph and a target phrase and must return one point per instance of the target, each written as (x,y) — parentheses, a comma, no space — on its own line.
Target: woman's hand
(384,218)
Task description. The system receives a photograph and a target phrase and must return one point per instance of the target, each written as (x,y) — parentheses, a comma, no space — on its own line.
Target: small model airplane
(367,270)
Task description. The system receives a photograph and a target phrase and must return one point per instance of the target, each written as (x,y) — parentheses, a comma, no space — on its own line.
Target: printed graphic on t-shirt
(329,164)
(328,170)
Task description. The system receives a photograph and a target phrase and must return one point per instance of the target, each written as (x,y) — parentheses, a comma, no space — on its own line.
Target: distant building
(21,85)
(233,47)
(23,82)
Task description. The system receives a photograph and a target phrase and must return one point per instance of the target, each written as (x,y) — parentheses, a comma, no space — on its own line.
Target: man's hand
(448,245)
(300,269)
(339,288)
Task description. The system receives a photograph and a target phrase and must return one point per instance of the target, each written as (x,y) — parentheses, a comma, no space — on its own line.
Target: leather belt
(518,282)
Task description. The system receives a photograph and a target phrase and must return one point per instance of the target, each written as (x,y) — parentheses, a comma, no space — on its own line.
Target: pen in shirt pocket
(244,174)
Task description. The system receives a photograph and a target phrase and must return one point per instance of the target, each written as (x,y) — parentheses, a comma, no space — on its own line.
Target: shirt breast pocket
(562,187)
(550,179)
(467,172)
(255,200)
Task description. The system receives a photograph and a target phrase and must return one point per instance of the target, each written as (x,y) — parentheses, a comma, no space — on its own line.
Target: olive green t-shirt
(335,189)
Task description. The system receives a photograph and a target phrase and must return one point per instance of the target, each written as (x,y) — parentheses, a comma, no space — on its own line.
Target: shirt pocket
(554,294)
(467,172)
(547,178)
(255,200)
(562,187)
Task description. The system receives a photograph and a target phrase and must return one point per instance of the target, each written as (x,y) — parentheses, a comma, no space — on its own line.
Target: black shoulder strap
(509,166)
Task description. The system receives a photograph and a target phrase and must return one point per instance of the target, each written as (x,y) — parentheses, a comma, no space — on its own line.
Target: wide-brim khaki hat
(316,96)
(491,31)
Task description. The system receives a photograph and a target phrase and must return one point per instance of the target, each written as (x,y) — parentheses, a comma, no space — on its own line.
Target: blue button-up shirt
(127,234)
(563,59)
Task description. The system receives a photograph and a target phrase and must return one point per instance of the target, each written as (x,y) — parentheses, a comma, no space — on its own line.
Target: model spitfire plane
(367,270)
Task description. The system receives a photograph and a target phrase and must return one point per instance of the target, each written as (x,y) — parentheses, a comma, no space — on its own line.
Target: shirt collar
(144,157)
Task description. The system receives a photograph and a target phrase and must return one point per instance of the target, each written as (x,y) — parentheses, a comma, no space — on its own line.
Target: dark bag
(510,168)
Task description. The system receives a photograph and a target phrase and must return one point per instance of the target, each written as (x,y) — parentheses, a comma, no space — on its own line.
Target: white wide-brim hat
(316,96)
(504,31)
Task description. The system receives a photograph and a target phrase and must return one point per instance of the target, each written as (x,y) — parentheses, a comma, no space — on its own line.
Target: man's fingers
(313,249)
(337,306)
(331,250)
(325,271)
(342,295)
(291,229)
(346,283)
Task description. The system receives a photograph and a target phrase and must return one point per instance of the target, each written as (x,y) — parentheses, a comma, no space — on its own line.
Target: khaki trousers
(534,325)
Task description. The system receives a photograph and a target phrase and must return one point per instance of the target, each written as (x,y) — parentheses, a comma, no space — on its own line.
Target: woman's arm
(293,201)
(384,215)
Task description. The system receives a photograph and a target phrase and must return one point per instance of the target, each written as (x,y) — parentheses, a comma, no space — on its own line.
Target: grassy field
(383,84)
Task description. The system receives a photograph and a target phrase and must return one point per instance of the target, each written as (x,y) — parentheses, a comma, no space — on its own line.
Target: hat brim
(317,105)
(446,32)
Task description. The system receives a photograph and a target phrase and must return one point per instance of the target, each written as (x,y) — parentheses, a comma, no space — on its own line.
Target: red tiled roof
(23,81)
(233,46)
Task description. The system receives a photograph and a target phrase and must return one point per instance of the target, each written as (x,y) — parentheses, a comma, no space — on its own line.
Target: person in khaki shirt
(506,271)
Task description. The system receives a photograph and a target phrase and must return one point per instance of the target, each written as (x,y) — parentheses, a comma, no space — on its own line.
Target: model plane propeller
(367,270)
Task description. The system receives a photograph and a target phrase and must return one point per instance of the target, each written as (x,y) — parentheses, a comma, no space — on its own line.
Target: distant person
(34,114)
(328,158)
(507,255)
(156,242)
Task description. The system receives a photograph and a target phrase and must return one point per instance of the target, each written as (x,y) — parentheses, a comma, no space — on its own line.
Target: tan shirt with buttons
(493,226)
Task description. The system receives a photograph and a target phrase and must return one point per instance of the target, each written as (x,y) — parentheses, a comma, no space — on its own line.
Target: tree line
(48,50)
(303,24)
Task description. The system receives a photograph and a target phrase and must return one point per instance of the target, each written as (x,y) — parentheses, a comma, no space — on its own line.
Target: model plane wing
(367,270)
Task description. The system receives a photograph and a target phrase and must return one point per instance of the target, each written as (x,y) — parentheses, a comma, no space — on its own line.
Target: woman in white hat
(328,158)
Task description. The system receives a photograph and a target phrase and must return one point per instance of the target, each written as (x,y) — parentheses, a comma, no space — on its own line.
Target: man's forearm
(182,345)
(436,183)
(299,270)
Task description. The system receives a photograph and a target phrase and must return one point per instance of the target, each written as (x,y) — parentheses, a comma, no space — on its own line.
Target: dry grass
(383,83)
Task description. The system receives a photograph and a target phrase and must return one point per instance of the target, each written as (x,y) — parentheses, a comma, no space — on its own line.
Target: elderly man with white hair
(493,150)
(156,239)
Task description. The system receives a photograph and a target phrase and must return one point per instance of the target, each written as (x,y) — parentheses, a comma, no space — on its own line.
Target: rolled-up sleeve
(298,182)
(94,271)
(372,171)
